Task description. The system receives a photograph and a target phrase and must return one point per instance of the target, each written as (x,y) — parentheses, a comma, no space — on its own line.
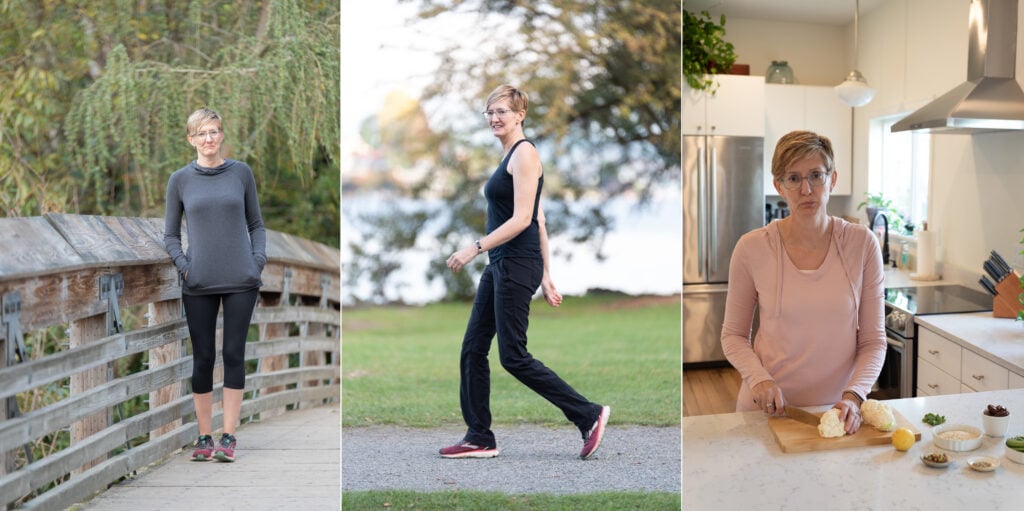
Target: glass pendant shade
(854,91)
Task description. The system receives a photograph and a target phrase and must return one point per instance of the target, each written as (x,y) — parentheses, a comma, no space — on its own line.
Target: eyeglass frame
(824,179)
(500,113)
(213,134)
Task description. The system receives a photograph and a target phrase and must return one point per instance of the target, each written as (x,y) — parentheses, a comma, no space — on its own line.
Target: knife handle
(992,271)
(988,285)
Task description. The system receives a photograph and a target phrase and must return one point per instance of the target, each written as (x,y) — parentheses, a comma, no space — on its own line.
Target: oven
(899,371)
(896,380)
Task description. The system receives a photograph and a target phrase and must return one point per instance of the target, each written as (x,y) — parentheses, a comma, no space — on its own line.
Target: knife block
(1005,303)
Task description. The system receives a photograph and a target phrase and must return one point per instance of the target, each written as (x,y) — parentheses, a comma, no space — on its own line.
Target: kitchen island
(732,461)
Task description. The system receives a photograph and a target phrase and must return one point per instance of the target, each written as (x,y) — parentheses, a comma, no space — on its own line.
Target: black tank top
(500,195)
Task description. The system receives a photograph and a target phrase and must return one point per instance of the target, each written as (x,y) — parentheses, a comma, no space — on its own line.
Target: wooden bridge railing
(88,274)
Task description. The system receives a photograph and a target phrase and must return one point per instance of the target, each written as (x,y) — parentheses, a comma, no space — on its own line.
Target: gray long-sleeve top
(227,243)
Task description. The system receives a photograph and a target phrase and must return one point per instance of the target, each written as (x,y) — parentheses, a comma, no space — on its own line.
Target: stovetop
(947,299)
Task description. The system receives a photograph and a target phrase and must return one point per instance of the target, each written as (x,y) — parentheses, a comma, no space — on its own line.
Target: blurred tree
(604,81)
(94,118)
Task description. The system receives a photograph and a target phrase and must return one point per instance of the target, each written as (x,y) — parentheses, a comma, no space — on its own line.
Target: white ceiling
(832,12)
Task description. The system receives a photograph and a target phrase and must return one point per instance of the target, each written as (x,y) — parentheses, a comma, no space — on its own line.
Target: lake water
(644,253)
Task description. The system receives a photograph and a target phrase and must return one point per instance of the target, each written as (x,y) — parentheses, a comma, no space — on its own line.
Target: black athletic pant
(201,313)
(502,306)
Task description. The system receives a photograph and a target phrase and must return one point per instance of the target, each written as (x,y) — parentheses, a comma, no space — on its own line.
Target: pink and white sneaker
(468,450)
(593,440)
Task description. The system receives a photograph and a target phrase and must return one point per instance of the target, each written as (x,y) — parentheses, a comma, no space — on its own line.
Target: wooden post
(312,358)
(274,362)
(7,464)
(83,331)
(164,312)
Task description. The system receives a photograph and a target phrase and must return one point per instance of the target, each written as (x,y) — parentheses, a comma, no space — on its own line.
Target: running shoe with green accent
(204,448)
(225,448)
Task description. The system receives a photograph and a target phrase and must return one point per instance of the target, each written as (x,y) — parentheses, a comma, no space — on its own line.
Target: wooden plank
(61,298)
(44,471)
(165,312)
(794,436)
(98,477)
(276,361)
(109,240)
(57,366)
(290,376)
(304,281)
(274,314)
(81,405)
(32,247)
(84,331)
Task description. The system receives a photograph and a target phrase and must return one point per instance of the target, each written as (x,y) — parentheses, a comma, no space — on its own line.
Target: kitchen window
(898,169)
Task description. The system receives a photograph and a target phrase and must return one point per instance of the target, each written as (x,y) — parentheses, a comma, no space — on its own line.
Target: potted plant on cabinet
(704,49)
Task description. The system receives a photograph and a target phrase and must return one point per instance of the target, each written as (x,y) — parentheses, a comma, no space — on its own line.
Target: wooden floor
(292,461)
(710,391)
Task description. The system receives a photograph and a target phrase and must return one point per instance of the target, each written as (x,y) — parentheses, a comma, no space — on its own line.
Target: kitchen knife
(1001,262)
(988,285)
(801,415)
(996,274)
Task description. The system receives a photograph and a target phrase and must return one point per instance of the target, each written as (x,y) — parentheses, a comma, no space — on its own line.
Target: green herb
(934,419)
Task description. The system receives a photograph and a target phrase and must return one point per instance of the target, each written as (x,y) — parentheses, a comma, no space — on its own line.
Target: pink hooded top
(821,331)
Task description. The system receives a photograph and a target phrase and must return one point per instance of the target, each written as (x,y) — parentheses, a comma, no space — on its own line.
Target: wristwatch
(479,247)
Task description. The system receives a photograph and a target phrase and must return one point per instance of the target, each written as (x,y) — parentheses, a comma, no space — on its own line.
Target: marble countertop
(1001,340)
(732,461)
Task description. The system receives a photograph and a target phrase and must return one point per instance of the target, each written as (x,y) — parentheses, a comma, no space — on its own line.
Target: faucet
(885,242)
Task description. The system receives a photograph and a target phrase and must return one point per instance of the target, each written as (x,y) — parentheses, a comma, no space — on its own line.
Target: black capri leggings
(201,314)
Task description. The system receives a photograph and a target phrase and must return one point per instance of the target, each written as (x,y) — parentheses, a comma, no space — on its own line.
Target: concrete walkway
(533,459)
(287,462)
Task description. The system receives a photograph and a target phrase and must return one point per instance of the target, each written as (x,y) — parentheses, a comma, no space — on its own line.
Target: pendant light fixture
(854,91)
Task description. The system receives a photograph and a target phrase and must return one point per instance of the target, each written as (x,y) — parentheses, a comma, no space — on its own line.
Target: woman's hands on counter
(768,397)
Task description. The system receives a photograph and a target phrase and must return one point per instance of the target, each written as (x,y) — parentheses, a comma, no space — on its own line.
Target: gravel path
(533,459)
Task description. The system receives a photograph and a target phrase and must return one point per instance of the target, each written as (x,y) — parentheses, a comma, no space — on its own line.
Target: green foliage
(448,500)
(605,94)
(705,51)
(402,363)
(96,121)
(876,200)
(1020,297)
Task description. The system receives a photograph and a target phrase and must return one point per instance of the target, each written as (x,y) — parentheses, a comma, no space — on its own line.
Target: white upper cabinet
(735,108)
(813,108)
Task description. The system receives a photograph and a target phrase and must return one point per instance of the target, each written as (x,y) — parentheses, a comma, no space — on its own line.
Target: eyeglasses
(213,134)
(501,112)
(794,181)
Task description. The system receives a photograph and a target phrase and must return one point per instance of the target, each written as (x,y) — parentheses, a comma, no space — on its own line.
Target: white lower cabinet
(982,374)
(932,381)
(947,367)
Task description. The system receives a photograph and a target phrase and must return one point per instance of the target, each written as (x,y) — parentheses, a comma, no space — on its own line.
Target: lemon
(903,439)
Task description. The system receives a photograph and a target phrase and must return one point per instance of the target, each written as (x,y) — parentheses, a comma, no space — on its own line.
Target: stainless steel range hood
(990,99)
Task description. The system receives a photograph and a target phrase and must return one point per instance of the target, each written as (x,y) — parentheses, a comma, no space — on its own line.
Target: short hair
(797,145)
(516,98)
(200,117)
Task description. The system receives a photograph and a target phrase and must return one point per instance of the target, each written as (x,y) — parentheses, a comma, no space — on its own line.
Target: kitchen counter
(998,339)
(895,277)
(732,461)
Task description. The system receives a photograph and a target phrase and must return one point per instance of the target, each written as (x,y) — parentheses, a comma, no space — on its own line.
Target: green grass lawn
(400,365)
(468,500)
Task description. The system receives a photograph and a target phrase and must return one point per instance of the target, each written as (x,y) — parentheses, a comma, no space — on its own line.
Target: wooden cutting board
(794,436)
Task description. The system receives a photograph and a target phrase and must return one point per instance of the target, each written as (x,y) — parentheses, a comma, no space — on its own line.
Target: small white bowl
(983,463)
(995,426)
(948,444)
(1014,455)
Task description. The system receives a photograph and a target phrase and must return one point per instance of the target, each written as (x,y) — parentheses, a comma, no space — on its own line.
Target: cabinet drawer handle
(933,386)
(934,352)
(978,377)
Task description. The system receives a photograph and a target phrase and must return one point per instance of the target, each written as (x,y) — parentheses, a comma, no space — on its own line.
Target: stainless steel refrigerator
(723,198)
